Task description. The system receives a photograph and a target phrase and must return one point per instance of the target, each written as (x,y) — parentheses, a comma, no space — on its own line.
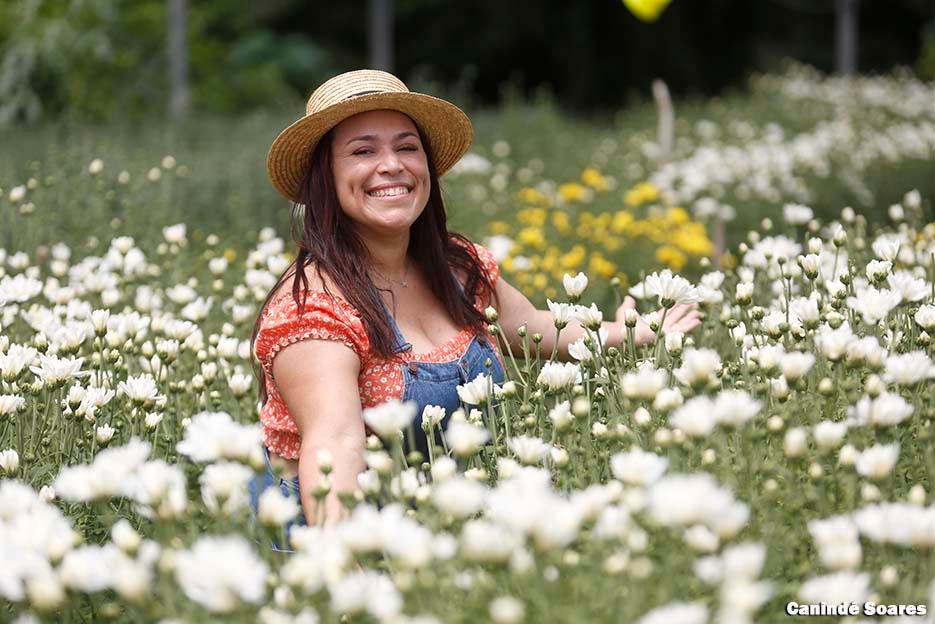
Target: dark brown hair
(326,236)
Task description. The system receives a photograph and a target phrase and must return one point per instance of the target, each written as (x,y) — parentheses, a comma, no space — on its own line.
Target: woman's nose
(390,162)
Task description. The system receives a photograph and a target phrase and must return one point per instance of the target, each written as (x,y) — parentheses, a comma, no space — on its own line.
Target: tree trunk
(177,26)
(846,37)
(381,34)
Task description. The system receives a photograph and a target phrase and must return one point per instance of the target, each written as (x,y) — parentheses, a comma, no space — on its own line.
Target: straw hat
(445,126)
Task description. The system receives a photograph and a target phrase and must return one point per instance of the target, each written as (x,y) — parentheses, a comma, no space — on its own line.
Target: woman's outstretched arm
(317,379)
(516,310)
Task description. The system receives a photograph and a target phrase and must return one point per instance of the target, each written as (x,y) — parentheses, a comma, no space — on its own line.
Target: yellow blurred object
(532,237)
(646,10)
(671,257)
(640,194)
(593,178)
(229,254)
(728,260)
(677,216)
(561,222)
(499,227)
(574,192)
(528,195)
(601,265)
(532,216)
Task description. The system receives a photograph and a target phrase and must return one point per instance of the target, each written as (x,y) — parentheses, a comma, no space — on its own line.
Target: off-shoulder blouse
(328,317)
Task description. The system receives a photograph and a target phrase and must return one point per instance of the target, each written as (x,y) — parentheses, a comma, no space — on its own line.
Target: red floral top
(332,318)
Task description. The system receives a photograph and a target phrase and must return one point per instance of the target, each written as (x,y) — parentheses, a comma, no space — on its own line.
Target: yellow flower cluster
(552,240)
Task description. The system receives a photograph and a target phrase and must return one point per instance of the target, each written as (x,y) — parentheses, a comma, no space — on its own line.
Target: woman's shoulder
(485,256)
(321,293)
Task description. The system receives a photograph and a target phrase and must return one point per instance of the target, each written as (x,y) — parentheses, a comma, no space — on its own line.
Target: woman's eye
(410,148)
(362,151)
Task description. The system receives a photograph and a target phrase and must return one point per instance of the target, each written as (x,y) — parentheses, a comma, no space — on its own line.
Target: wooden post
(381,34)
(846,36)
(177,26)
(666,124)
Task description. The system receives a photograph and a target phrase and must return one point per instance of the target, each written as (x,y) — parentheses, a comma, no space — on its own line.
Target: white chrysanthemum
(214,435)
(464,439)
(141,389)
(873,305)
(643,383)
(698,366)
(175,233)
(671,289)
(909,368)
(10,403)
(908,286)
(18,289)
(476,391)
(836,588)
(638,467)
(485,541)
(796,365)
(833,343)
(797,214)
(562,313)
(15,360)
(55,370)
(925,317)
(903,524)
(877,461)
(111,474)
(574,286)
(677,613)
(459,497)
(886,409)
(224,486)
(557,376)
(829,434)
(837,541)
(365,591)
(391,417)
(160,487)
(220,573)
(696,418)
(529,450)
(735,407)
(275,509)
(689,499)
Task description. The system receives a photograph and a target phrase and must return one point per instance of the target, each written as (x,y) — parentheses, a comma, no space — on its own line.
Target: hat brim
(445,127)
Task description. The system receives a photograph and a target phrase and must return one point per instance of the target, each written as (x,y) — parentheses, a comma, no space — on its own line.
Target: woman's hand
(680,318)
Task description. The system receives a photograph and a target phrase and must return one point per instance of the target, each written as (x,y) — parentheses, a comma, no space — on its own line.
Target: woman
(387,303)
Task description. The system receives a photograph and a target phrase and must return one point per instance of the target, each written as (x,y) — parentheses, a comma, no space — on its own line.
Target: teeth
(389,192)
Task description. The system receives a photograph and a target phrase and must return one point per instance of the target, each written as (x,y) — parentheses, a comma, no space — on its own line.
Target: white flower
(214,435)
(221,572)
(55,370)
(507,610)
(141,389)
(796,365)
(528,450)
(125,536)
(485,541)
(559,375)
(574,286)
(562,313)
(15,360)
(872,304)
(274,509)
(174,233)
(644,383)
(589,317)
(907,286)
(224,486)
(677,613)
(365,591)
(884,410)
(476,391)
(795,442)
(833,343)
(239,384)
(670,289)
(735,407)
(96,166)
(389,418)
(458,497)
(638,467)
(432,415)
(836,588)
(908,368)
(9,462)
(10,403)
(877,461)
(17,193)
(464,438)
(696,418)
(688,499)
(698,366)
(104,433)
(925,317)
(828,434)
(886,247)
(797,214)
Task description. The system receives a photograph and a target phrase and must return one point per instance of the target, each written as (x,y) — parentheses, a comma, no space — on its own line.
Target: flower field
(782,452)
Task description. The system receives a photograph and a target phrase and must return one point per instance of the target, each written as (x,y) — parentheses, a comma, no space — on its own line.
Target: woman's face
(380,169)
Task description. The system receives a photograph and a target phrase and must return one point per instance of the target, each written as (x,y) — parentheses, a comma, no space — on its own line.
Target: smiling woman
(385,303)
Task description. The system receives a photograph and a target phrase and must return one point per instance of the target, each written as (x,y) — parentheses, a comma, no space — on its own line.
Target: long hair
(326,236)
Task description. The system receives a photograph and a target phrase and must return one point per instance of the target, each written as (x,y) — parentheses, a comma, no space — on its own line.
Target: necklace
(404,283)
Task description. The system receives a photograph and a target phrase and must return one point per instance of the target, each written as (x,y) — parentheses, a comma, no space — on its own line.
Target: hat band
(360,93)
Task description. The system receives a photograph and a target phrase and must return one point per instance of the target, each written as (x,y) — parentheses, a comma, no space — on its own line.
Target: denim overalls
(426,383)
